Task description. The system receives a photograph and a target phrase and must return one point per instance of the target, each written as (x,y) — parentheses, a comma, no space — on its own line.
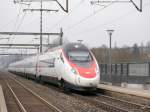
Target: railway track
(29,101)
(109,104)
(78,104)
(99,102)
(130,106)
(113,104)
(9,98)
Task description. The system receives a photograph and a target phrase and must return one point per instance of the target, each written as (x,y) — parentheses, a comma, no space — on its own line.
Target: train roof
(74,46)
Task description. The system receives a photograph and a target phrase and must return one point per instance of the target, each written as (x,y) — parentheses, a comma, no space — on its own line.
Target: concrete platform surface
(129,91)
(3,107)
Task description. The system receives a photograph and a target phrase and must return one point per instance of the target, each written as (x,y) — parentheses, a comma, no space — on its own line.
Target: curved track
(107,103)
(74,101)
(129,106)
(29,101)
(111,104)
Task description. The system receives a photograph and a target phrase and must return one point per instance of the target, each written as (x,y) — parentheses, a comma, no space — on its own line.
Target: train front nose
(87,78)
(86,82)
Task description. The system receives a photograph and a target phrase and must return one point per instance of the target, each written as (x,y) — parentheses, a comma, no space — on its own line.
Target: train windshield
(79,56)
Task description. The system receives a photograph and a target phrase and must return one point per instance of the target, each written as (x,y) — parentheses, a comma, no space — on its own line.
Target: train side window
(52,62)
(61,57)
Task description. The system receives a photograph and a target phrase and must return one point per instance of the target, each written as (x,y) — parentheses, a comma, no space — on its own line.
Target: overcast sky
(83,22)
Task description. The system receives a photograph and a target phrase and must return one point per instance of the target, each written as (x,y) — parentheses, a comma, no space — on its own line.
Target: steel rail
(103,105)
(111,108)
(139,106)
(37,96)
(106,106)
(17,100)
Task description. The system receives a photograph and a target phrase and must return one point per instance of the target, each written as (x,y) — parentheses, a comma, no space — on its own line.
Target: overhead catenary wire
(64,17)
(107,23)
(81,22)
(19,25)
(35,19)
(18,16)
(86,18)
(8,23)
(22,19)
(29,5)
(102,25)
(15,19)
(31,22)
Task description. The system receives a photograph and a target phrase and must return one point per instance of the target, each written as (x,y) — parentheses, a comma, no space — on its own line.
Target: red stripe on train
(85,72)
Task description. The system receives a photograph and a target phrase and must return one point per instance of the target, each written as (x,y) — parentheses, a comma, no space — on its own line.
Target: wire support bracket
(26,2)
(46,10)
(28,33)
(139,8)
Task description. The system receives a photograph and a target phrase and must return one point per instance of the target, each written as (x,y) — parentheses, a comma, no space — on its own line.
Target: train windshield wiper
(80,60)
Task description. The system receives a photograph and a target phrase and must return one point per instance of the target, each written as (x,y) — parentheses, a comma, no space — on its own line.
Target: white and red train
(72,65)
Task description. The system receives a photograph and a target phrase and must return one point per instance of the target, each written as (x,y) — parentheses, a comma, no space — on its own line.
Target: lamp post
(110,53)
(80,41)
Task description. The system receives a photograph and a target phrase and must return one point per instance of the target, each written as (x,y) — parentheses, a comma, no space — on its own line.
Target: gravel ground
(68,102)
(58,98)
(10,102)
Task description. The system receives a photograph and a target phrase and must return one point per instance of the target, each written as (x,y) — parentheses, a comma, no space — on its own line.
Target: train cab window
(61,57)
(80,56)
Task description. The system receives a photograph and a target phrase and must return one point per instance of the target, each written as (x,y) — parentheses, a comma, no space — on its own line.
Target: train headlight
(97,71)
(73,70)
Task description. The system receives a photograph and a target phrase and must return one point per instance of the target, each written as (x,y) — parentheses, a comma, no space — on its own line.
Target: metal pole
(141,5)
(38,50)
(41,29)
(48,40)
(110,61)
(61,36)
(149,69)
(110,53)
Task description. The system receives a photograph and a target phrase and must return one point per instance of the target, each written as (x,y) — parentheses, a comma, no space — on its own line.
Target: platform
(135,92)
(3,107)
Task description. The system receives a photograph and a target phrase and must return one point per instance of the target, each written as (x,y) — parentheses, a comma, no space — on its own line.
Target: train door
(57,65)
(37,66)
